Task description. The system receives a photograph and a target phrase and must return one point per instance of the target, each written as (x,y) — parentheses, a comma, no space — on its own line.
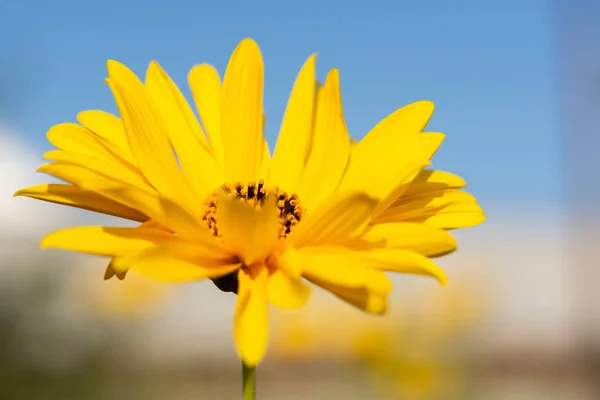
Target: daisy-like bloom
(212,203)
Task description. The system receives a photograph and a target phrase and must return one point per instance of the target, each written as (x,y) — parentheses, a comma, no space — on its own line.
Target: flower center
(290,209)
(290,213)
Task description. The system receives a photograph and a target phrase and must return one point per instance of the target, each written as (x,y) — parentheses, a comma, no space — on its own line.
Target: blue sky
(488,65)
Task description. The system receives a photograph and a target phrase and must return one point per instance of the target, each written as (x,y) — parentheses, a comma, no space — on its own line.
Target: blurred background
(517,91)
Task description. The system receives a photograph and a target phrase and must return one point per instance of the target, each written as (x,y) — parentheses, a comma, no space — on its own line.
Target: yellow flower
(214,204)
(136,297)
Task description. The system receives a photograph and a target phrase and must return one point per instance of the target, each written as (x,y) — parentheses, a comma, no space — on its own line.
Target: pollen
(290,208)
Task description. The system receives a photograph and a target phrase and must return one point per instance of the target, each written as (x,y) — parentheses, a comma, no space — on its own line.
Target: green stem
(248,382)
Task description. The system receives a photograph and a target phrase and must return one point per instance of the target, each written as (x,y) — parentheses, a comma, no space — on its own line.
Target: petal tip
(109,273)
(43,168)
(333,74)
(111,65)
(442,279)
(425,103)
(248,41)
(47,242)
(247,46)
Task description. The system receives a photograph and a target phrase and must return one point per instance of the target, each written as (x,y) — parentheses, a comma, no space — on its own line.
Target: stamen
(290,208)
(290,213)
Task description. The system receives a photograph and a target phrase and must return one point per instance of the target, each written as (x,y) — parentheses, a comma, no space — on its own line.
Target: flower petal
(109,130)
(111,171)
(292,143)
(248,232)
(83,176)
(184,131)
(423,239)
(423,206)
(74,196)
(284,258)
(397,260)
(358,297)
(342,268)
(251,320)
(110,272)
(430,180)
(390,152)
(317,111)
(178,262)
(205,83)
(147,136)
(428,143)
(165,212)
(286,291)
(454,216)
(334,221)
(76,139)
(265,159)
(330,146)
(242,113)
(106,241)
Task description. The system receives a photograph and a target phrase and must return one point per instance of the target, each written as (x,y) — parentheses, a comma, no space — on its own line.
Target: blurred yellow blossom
(416,353)
(136,296)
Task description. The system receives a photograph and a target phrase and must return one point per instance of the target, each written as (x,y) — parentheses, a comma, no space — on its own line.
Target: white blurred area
(515,261)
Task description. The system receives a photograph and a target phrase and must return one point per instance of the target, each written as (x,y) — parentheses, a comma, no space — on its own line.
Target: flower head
(212,203)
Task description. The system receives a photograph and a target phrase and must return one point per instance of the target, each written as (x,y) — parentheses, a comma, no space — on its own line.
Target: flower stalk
(248,382)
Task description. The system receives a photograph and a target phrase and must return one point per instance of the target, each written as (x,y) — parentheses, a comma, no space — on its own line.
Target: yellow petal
(90,178)
(242,113)
(106,241)
(209,252)
(342,268)
(423,239)
(205,83)
(295,131)
(428,143)
(358,297)
(77,139)
(330,146)
(285,291)
(169,100)
(163,264)
(397,260)
(265,159)
(428,203)
(80,198)
(430,180)
(390,151)
(453,217)
(284,258)
(334,221)
(112,171)
(248,232)
(109,130)
(318,109)
(251,320)
(147,136)
(165,212)
(184,131)
(110,272)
